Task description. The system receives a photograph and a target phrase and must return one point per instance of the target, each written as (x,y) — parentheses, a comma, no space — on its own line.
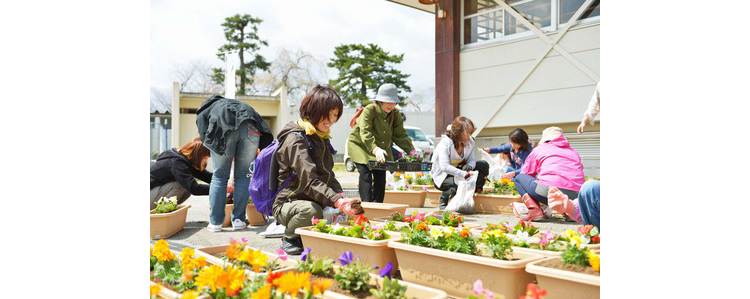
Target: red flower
(533,292)
(408,219)
(273,276)
(595,240)
(523,224)
(585,229)
(361,218)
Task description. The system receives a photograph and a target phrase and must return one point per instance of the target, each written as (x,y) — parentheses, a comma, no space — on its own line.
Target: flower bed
(529,239)
(575,274)
(355,279)
(171,274)
(369,241)
(375,209)
(421,250)
(168,218)
(253,260)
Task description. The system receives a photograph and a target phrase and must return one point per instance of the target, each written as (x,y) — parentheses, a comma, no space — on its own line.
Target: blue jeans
(588,202)
(527,184)
(242,145)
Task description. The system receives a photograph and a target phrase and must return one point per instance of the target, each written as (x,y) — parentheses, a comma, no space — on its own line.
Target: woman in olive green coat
(379,126)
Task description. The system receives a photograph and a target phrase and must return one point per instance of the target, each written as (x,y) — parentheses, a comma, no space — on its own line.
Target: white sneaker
(238,224)
(214,228)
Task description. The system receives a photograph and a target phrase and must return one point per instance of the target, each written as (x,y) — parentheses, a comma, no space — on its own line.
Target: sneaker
(292,246)
(238,224)
(527,211)
(214,227)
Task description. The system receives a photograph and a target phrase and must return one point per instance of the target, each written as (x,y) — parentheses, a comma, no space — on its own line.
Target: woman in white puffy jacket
(454,156)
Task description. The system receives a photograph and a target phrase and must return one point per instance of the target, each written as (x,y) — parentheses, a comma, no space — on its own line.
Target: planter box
(164,292)
(433,196)
(429,187)
(253,216)
(375,209)
(167,224)
(561,284)
(494,204)
(456,273)
(375,253)
(414,291)
(414,199)
(400,224)
(213,256)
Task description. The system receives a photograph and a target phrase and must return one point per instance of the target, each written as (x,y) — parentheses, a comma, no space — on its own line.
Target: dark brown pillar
(447,47)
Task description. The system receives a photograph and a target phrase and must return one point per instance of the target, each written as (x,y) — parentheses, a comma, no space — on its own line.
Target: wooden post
(447,48)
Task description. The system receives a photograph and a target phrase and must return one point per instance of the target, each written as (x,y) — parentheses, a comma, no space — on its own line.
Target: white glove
(380,154)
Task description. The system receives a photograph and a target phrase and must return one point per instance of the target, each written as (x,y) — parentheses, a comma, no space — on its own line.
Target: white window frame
(554,15)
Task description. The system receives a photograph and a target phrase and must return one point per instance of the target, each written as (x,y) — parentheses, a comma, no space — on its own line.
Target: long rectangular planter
(213,256)
(414,199)
(561,284)
(414,291)
(167,224)
(375,253)
(456,273)
(494,204)
(164,292)
(400,224)
(433,197)
(375,209)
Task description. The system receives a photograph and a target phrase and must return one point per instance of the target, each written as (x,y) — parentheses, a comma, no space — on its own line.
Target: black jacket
(172,166)
(217,116)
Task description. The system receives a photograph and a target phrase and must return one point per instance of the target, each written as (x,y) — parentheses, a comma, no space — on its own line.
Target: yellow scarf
(310,129)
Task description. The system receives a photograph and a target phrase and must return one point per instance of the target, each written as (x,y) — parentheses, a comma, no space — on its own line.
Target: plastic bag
(332,215)
(463,202)
(497,169)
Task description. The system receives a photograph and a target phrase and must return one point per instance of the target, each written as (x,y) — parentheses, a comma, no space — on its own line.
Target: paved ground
(195,234)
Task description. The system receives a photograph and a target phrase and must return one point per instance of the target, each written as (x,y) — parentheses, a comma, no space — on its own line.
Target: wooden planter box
(213,256)
(375,253)
(167,224)
(433,196)
(456,273)
(561,284)
(164,292)
(494,204)
(253,216)
(375,209)
(414,199)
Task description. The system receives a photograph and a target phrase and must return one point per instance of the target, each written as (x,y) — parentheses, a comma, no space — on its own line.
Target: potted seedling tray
(401,166)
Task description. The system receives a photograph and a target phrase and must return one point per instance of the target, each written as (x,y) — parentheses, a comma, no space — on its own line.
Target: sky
(185,30)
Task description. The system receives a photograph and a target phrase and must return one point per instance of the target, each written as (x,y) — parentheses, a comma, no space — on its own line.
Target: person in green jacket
(379,126)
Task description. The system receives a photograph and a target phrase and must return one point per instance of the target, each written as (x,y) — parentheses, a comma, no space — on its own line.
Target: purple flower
(244,240)
(386,271)
(346,258)
(303,257)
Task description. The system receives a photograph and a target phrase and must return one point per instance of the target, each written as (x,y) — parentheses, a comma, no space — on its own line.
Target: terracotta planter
(213,256)
(375,209)
(456,273)
(167,224)
(561,284)
(400,224)
(494,204)
(253,216)
(433,196)
(164,292)
(412,290)
(375,253)
(414,199)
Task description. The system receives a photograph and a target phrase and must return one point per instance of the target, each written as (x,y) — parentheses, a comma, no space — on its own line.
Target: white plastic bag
(497,170)
(463,202)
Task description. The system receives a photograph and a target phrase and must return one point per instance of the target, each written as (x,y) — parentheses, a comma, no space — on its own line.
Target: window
(416,135)
(484,20)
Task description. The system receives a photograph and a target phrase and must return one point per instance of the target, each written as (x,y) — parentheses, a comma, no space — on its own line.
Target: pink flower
(244,240)
(479,290)
(419,217)
(424,188)
(232,240)
(315,220)
(282,254)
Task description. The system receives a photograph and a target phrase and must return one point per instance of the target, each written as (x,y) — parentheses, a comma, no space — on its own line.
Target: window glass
(416,135)
(483,27)
(569,7)
(538,12)
(475,6)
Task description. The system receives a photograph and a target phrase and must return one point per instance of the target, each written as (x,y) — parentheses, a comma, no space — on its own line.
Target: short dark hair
(319,102)
(519,136)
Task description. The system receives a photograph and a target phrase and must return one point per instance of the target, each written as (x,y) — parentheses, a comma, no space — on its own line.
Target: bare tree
(195,76)
(161,99)
(297,70)
(421,101)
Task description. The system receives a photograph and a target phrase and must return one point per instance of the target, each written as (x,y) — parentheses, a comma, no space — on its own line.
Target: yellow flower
(235,279)
(189,295)
(233,251)
(292,282)
(210,277)
(255,258)
(262,293)
(593,259)
(187,252)
(320,285)
(436,233)
(161,251)
(155,289)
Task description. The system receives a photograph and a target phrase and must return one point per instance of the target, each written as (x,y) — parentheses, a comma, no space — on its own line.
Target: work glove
(350,207)
(560,202)
(467,167)
(380,154)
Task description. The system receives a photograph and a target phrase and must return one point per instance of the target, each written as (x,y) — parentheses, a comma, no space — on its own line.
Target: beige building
(517,63)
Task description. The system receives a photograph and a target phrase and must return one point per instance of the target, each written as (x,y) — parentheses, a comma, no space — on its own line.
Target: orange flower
(235,280)
(233,251)
(320,285)
(155,289)
(187,252)
(211,277)
(255,258)
(465,232)
(292,282)
(273,278)
(422,226)
(262,293)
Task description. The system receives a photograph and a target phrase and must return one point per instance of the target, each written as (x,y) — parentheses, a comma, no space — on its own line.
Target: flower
(262,293)
(305,252)
(422,226)
(593,259)
(386,271)
(155,289)
(465,232)
(479,290)
(210,277)
(436,233)
(315,220)
(292,282)
(186,253)
(272,278)
(418,216)
(235,278)
(546,237)
(424,188)
(346,258)
(244,240)
(320,285)
(595,240)
(282,254)
(233,251)
(232,240)
(533,292)
(255,258)
(162,252)
(361,218)
(189,295)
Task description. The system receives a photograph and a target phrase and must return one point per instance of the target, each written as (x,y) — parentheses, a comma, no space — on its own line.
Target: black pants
(371,183)
(449,184)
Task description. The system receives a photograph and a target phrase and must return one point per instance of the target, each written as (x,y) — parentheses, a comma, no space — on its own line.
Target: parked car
(421,143)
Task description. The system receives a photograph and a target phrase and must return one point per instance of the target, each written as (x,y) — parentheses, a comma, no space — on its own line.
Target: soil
(163,284)
(557,264)
(335,288)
